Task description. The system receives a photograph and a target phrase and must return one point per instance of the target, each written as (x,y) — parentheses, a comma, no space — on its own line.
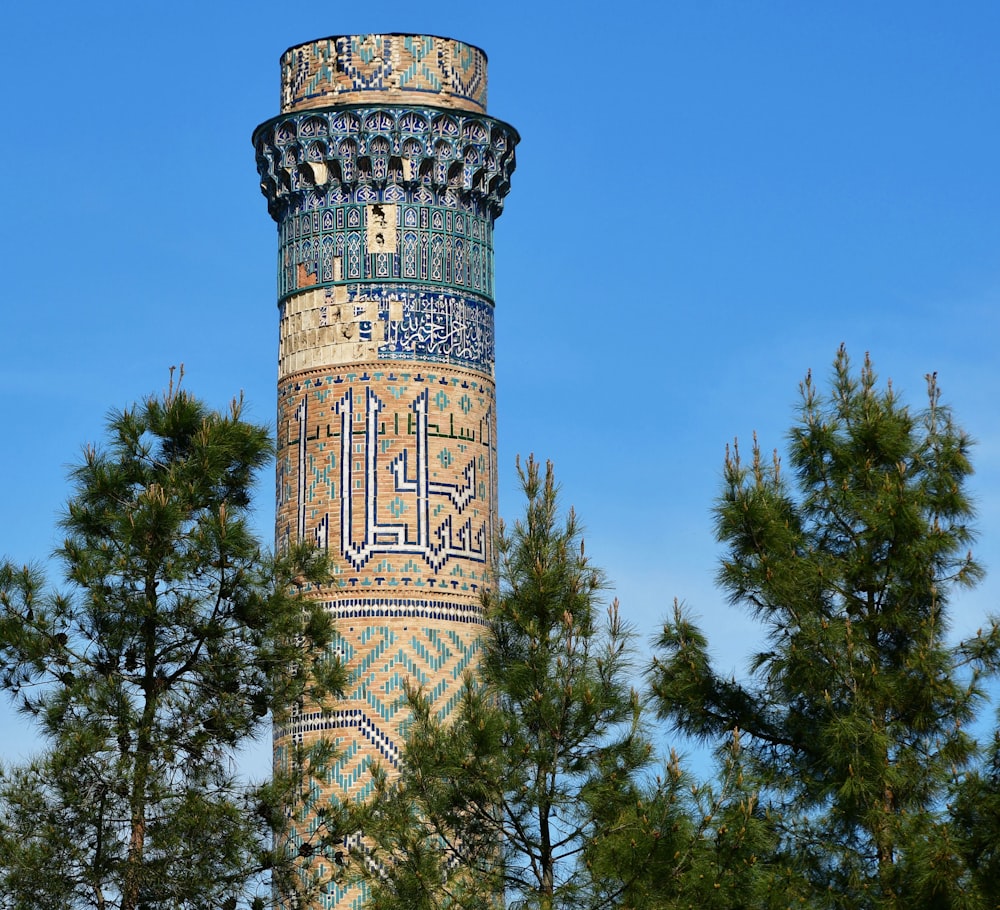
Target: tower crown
(385,116)
(383,69)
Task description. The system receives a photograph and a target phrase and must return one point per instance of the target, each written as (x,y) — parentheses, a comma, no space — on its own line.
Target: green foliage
(976,811)
(174,644)
(541,755)
(855,721)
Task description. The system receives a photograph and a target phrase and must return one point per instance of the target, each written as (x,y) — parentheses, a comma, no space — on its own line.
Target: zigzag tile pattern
(382,658)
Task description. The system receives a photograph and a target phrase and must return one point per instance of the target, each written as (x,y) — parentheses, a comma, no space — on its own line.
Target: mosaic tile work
(366,69)
(322,243)
(393,472)
(386,154)
(362,323)
(370,724)
(383,656)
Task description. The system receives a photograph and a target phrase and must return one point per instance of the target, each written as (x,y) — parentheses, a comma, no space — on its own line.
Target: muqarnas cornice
(462,159)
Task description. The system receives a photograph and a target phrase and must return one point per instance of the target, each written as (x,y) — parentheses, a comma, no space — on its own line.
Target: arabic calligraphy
(442,327)
(393,473)
(436,541)
(355,324)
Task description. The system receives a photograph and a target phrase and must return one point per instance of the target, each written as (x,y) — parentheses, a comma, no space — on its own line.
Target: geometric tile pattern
(382,656)
(373,725)
(323,243)
(353,69)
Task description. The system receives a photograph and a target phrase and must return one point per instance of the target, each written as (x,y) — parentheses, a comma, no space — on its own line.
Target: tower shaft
(385,177)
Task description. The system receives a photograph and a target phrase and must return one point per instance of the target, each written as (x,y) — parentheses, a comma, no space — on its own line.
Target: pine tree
(685,845)
(543,750)
(176,640)
(855,719)
(976,814)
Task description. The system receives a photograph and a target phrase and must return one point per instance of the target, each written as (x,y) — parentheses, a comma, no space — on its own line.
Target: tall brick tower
(385,176)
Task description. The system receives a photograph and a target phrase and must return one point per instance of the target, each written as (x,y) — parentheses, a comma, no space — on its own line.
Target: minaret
(385,176)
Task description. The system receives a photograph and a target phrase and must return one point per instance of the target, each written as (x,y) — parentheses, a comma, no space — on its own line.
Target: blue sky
(710,197)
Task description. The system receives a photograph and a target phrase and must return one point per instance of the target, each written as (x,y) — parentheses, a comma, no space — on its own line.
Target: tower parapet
(383,69)
(385,176)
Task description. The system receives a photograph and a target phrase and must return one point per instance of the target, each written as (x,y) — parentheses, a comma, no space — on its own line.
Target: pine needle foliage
(684,845)
(976,812)
(175,642)
(855,718)
(501,799)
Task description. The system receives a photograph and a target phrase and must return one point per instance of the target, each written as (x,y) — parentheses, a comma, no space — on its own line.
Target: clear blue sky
(710,197)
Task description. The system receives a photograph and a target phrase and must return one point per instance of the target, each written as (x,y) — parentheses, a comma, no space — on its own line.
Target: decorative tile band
(345,608)
(365,69)
(322,242)
(360,323)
